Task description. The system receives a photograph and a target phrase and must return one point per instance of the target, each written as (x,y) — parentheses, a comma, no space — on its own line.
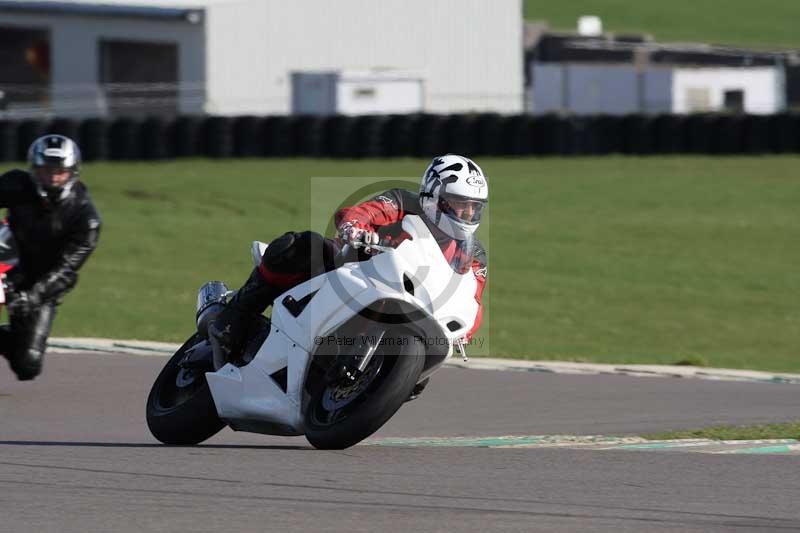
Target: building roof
(172,9)
(111,3)
(609,48)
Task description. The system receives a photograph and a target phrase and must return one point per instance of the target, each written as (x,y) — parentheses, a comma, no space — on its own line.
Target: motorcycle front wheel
(345,412)
(180,409)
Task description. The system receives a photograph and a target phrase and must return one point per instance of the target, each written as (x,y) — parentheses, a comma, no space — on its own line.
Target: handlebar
(369,248)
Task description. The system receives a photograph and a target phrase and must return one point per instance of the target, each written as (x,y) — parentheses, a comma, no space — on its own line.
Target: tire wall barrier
(415,135)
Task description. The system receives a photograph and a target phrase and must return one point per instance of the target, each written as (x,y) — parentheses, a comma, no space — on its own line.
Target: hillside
(735,22)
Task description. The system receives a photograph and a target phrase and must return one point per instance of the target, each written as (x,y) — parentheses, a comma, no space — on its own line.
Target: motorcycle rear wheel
(180,408)
(334,422)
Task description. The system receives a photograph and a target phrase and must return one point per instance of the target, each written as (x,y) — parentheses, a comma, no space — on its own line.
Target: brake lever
(368,248)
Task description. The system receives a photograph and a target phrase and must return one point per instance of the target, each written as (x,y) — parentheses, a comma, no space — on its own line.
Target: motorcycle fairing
(248,398)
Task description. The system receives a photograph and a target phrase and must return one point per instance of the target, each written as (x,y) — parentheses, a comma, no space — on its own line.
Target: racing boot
(29,365)
(231,328)
(288,260)
(25,341)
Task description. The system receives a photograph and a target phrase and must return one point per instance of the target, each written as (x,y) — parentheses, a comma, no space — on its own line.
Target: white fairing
(249,399)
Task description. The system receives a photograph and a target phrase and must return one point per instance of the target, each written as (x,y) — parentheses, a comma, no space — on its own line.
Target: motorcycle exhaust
(211,300)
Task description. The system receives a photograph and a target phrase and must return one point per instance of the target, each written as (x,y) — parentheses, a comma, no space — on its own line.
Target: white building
(618,89)
(756,90)
(234,57)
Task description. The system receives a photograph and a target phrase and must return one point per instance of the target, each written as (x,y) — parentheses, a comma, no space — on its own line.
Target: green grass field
(786,430)
(615,259)
(735,22)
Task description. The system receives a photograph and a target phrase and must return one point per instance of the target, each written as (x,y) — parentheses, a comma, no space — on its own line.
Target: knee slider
(29,365)
(279,252)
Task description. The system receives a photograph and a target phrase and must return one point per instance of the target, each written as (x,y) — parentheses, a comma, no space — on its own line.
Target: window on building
(364,92)
(24,68)
(139,77)
(793,86)
(698,99)
(733,101)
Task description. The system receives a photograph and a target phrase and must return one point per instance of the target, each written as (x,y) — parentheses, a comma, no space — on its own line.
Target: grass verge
(735,22)
(789,430)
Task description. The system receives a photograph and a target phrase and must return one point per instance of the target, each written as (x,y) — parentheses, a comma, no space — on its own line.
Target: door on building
(24,70)
(139,77)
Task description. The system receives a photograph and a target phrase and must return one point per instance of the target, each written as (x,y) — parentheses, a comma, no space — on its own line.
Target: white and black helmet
(56,151)
(450,179)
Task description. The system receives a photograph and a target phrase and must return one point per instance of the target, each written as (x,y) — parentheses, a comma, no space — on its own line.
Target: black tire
(397,370)
(182,415)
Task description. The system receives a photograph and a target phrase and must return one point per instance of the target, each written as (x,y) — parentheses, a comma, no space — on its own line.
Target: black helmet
(59,152)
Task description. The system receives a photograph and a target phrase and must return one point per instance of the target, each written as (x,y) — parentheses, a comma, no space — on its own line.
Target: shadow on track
(67,444)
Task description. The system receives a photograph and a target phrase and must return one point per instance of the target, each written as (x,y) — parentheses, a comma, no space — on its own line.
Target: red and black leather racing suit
(295,257)
(54,237)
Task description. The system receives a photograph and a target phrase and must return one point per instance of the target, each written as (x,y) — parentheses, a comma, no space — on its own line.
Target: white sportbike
(339,356)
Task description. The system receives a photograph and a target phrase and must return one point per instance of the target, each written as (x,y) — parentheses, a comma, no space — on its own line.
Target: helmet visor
(52,176)
(463,209)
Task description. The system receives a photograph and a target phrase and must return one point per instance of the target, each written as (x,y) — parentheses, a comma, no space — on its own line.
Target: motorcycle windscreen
(460,254)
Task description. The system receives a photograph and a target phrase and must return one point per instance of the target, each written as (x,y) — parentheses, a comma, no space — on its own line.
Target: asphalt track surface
(76,455)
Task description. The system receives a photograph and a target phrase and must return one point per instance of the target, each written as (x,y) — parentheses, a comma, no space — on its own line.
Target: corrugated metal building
(230,57)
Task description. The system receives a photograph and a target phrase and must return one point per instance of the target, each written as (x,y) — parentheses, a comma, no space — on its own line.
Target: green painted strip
(766,449)
(653,446)
(599,442)
(664,444)
(504,441)
(460,441)
(758,441)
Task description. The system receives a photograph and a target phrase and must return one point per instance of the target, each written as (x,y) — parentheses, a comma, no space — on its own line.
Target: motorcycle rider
(55,226)
(452,196)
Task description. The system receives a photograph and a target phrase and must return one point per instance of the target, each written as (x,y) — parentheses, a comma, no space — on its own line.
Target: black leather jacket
(53,237)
